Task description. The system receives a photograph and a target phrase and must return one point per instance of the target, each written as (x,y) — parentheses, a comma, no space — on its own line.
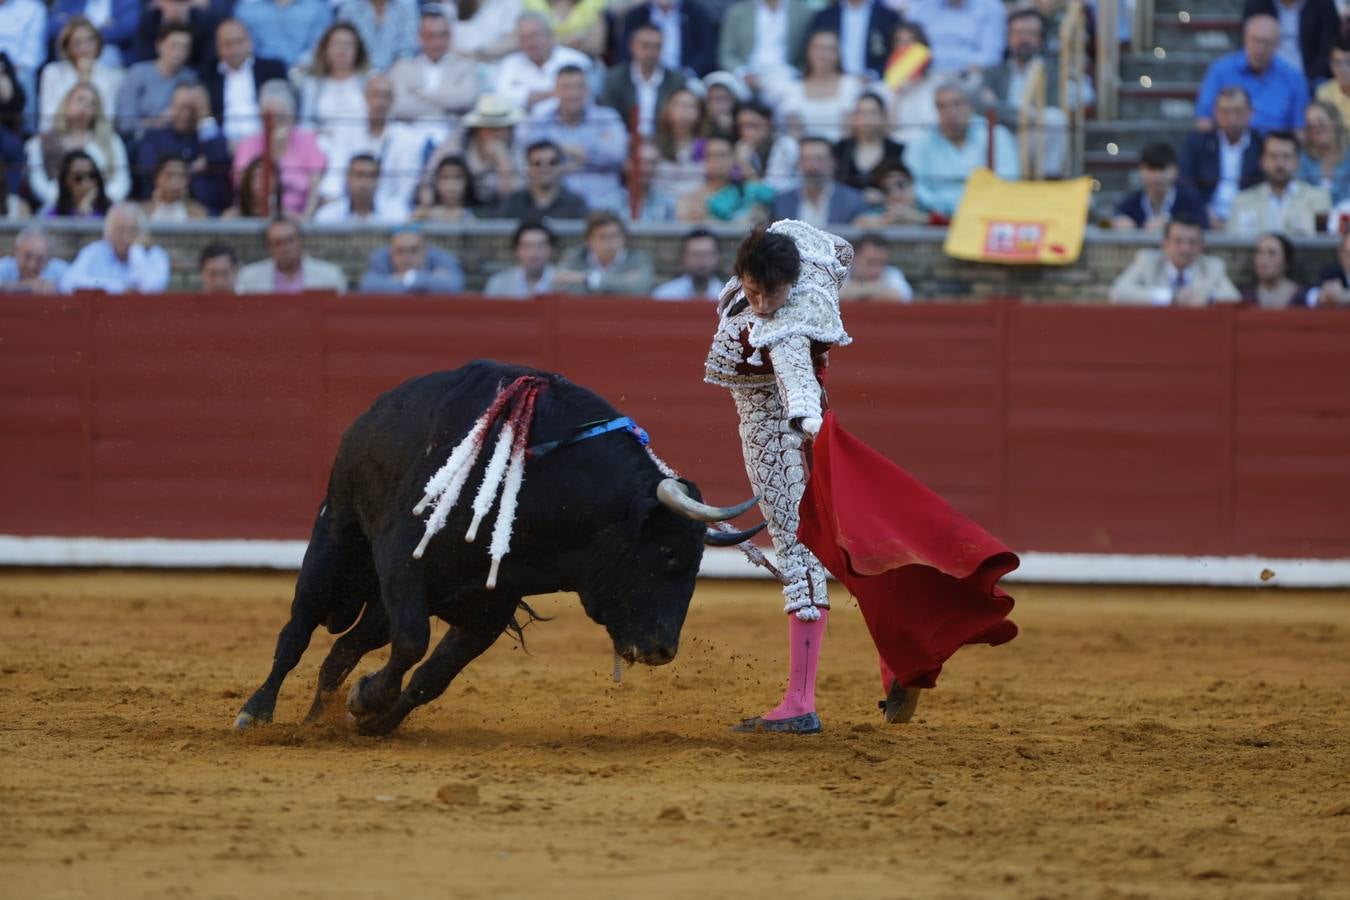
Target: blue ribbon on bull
(594,429)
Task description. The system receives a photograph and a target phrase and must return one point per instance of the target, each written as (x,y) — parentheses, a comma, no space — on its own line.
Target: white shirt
(341,211)
(1176,280)
(817,213)
(401,150)
(98,12)
(853,21)
(23,32)
(671,34)
(646,97)
(771,29)
(242,115)
(518,76)
(1289,50)
(1230,173)
(683,288)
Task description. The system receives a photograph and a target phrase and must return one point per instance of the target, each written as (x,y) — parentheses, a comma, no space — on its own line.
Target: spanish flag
(906,64)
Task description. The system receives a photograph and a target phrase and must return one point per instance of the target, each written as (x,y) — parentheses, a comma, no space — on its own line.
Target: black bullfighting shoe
(809,723)
(899,704)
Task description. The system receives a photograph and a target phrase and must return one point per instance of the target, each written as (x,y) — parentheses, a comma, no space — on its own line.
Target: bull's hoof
(899,705)
(246,720)
(354,704)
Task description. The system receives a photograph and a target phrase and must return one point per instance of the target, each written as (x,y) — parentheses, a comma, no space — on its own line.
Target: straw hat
(491,111)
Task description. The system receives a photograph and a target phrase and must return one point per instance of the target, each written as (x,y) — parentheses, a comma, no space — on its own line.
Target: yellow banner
(1020,222)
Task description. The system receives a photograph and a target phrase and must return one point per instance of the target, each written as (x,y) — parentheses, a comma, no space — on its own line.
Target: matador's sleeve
(798,388)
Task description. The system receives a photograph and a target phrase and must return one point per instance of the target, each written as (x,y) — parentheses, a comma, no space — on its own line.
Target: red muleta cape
(925,576)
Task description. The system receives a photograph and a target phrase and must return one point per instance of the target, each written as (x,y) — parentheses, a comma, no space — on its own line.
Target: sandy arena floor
(1131,743)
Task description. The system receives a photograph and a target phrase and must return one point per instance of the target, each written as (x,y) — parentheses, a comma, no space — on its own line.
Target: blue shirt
(1310,170)
(52,271)
(970,35)
(941,168)
(144,271)
(601,133)
(1279,94)
(288,33)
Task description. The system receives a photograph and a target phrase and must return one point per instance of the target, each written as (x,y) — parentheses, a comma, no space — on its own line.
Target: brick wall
(918,251)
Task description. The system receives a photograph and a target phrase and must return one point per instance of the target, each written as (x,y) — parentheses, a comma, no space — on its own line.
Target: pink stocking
(887,676)
(804,648)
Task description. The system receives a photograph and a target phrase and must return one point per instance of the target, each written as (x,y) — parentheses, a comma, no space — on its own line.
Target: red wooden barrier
(1217,431)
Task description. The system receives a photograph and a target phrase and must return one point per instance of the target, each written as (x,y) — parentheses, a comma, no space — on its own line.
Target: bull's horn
(715,538)
(675,497)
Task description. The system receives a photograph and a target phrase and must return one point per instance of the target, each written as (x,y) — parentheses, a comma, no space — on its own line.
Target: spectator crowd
(868,113)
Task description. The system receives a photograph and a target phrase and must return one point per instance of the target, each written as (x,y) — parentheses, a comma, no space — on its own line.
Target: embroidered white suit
(774,395)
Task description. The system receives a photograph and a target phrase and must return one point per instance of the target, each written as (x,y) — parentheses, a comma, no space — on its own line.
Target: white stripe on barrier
(1052,568)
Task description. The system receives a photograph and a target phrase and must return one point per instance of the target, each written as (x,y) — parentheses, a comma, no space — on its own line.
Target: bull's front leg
(460,646)
(406,604)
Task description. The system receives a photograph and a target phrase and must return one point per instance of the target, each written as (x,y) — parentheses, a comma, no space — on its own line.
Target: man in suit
(688,34)
(820,201)
(437,83)
(288,269)
(1280,202)
(763,41)
(1221,162)
(642,82)
(233,83)
(865,28)
(1180,274)
(1308,28)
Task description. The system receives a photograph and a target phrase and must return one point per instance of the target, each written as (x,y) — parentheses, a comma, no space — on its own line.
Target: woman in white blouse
(79,124)
(333,95)
(78,49)
(821,102)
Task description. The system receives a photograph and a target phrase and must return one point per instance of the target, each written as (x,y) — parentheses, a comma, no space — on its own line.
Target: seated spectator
(219,267)
(822,100)
(913,87)
(408,266)
(965,35)
(1308,28)
(723,94)
(761,154)
(200,17)
(656,204)
(116,22)
(295,150)
(1279,92)
(485,142)
(360,204)
(869,26)
(867,148)
(543,195)
(148,86)
(1325,160)
(700,255)
(680,129)
(604,264)
(449,196)
(79,124)
(723,196)
(1272,288)
(78,49)
(288,269)
(1160,196)
(529,76)
(438,83)
(1221,162)
(578,24)
(287,30)
(333,94)
(12,206)
(1010,87)
(235,82)
(169,200)
(872,277)
(820,201)
(893,184)
(400,148)
(256,197)
(1337,91)
(123,262)
(485,30)
(1280,202)
(193,137)
(593,139)
(32,269)
(23,44)
(761,43)
(1180,274)
(533,272)
(642,83)
(388,28)
(1333,285)
(686,27)
(81,193)
(943,158)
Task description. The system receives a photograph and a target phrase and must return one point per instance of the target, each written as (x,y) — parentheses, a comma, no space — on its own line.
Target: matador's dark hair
(770,259)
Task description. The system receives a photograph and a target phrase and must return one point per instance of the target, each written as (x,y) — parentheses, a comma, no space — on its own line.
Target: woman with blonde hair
(333,94)
(78,48)
(1325,161)
(79,124)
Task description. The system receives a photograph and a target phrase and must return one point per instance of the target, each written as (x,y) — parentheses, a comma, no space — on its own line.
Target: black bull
(596,517)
